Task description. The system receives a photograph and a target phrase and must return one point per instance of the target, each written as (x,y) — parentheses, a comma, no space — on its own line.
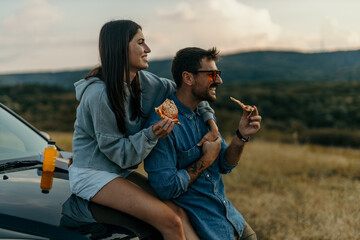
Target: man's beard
(203,95)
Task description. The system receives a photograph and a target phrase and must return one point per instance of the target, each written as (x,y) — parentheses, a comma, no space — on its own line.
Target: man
(189,174)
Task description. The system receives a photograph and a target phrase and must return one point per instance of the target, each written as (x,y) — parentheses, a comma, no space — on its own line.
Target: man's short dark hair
(189,59)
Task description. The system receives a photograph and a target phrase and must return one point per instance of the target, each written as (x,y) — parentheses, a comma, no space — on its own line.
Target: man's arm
(248,125)
(161,165)
(210,152)
(234,151)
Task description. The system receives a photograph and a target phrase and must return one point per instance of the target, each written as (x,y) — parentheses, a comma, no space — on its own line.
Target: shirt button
(207,175)
(224,201)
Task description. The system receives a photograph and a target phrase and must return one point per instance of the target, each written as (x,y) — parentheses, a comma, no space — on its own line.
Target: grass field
(292,191)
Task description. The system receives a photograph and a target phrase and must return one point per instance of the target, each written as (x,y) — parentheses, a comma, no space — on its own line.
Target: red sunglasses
(211,73)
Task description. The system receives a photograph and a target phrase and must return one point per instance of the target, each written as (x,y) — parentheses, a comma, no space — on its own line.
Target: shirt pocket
(187,157)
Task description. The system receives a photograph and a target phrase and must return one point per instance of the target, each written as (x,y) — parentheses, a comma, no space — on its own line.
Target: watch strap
(241,137)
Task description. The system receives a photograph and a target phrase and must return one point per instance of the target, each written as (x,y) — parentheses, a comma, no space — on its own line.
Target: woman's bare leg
(125,196)
(143,182)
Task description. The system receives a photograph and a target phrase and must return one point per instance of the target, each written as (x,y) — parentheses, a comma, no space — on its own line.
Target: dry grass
(63,140)
(292,191)
(298,192)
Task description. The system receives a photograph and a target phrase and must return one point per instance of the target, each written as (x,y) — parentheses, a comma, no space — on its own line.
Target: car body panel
(22,196)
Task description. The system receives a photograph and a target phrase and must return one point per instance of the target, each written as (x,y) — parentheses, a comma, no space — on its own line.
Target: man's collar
(184,110)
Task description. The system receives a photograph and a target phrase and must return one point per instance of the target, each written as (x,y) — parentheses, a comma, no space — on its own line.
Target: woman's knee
(173,221)
(180,211)
(177,209)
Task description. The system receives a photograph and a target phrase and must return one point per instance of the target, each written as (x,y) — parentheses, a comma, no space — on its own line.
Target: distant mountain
(277,65)
(271,65)
(246,66)
(64,79)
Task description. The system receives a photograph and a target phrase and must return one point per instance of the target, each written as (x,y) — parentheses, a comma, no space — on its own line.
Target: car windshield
(17,140)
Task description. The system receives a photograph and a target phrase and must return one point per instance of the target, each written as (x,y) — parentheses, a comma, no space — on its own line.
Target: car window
(17,139)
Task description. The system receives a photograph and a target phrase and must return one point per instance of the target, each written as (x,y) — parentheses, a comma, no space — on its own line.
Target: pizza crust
(247,108)
(168,110)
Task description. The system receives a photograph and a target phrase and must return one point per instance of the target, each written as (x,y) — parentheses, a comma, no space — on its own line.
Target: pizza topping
(247,108)
(169,110)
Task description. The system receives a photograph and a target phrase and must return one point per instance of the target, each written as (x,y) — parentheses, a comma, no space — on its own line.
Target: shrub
(331,137)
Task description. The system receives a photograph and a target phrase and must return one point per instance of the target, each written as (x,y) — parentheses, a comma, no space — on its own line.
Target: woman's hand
(211,151)
(212,135)
(163,127)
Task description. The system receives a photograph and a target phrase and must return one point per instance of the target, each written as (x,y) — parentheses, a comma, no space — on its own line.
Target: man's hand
(212,135)
(163,127)
(249,123)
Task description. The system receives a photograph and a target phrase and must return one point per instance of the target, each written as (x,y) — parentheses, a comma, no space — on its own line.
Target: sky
(57,35)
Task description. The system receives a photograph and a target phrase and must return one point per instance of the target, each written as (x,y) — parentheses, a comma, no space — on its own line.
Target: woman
(109,141)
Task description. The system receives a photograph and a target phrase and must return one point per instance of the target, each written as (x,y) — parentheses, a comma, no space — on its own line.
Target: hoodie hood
(81,85)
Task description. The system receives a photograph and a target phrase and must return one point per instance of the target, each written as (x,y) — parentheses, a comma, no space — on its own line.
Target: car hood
(21,196)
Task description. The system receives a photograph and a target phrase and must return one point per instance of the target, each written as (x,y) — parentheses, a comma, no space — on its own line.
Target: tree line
(319,112)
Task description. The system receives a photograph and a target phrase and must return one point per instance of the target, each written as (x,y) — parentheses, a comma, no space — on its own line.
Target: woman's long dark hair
(114,54)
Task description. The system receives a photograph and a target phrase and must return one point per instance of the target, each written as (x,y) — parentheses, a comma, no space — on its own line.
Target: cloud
(227,24)
(41,34)
(182,10)
(335,36)
(33,38)
(49,58)
(36,18)
(30,27)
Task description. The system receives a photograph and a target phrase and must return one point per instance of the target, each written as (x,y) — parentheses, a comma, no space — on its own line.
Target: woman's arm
(212,135)
(125,151)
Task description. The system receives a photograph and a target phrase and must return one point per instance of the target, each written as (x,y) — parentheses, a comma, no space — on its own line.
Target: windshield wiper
(18,164)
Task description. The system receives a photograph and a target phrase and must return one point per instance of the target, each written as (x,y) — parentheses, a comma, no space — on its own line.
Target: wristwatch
(241,137)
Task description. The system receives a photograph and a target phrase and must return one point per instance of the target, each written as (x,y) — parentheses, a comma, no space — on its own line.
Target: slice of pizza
(168,109)
(247,108)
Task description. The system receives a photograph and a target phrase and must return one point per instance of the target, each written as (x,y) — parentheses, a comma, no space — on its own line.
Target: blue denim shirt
(210,212)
